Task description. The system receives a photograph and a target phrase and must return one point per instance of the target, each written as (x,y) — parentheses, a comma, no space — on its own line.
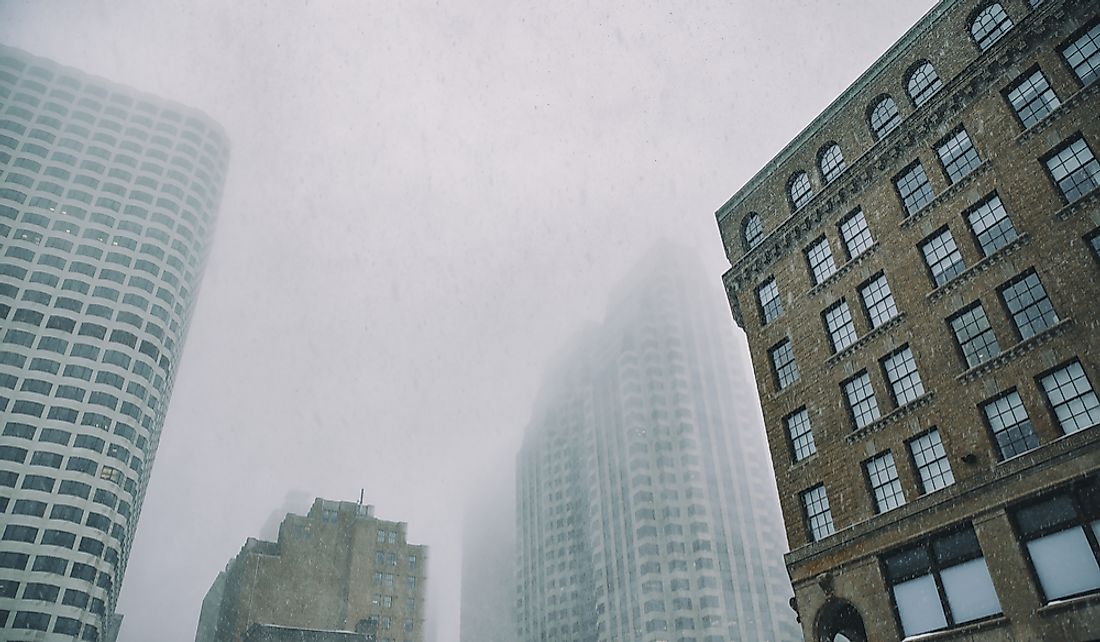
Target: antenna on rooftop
(361,491)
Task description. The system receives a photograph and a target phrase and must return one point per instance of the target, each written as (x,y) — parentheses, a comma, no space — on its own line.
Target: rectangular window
(783,365)
(1071,397)
(930,459)
(855,234)
(819,520)
(958,156)
(1083,55)
(901,371)
(990,224)
(767,297)
(913,188)
(1012,430)
(941,582)
(1032,98)
(800,434)
(882,476)
(1074,169)
(1060,533)
(861,400)
(1027,303)
(839,325)
(973,335)
(942,256)
(820,257)
(878,302)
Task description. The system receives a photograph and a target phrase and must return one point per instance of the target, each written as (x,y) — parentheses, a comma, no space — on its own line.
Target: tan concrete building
(918,276)
(339,568)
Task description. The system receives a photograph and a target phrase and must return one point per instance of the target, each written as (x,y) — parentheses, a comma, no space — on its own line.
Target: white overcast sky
(424,201)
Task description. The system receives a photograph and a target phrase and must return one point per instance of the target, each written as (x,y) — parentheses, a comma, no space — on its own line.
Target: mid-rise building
(108,199)
(918,274)
(645,505)
(338,568)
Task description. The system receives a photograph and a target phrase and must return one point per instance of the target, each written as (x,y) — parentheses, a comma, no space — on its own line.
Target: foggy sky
(424,200)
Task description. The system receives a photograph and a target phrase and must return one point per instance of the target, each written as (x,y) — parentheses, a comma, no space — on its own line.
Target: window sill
(864,340)
(1016,351)
(842,270)
(1068,604)
(1056,114)
(952,190)
(981,266)
(1085,202)
(897,415)
(962,631)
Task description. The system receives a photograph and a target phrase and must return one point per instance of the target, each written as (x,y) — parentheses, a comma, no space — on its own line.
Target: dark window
(913,188)
(783,364)
(884,117)
(861,400)
(990,224)
(1060,533)
(50,564)
(820,257)
(1012,430)
(974,335)
(989,25)
(31,620)
(1074,169)
(1083,55)
(800,434)
(923,83)
(1032,98)
(1072,397)
(819,519)
(753,231)
(878,301)
(882,476)
(942,256)
(958,156)
(855,234)
(1027,303)
(940,582)
(930,460)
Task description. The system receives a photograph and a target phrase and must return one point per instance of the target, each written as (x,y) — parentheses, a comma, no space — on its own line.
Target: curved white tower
(107,205)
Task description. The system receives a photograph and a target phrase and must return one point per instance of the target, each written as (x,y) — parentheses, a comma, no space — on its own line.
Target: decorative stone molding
(895,321)
(1016,351)
(1086,202)
(947,194)
(842,270)
(897,415)
(969,273)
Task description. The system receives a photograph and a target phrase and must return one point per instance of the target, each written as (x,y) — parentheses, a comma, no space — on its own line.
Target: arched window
(831,161)
(799,190)
(923,83)
(883,116)
(989,24)
(752,231)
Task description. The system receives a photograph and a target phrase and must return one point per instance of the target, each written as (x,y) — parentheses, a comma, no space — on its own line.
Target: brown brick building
(918,273)
(339,568)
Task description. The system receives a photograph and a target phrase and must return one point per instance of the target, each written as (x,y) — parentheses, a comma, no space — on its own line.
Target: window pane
(885,485)
(861,400)
(754,231)
(1083,55)
(913,188)
(1027,302)
(1033,99)
(901,372)
(767,296)
(958,156)
(930,458)
(1074,169)
(884,117)
(974,335)
(856,235)
(919,606)
(990,223)
(841,328)
(1064,563)
(1071,395)
(801,435)
(878,301)
(970,592)
(923,84)
(989,25)
(832,162)
(942,257)
(819,519)
(786,370)
(800,191)
(820,257)
(1010,425)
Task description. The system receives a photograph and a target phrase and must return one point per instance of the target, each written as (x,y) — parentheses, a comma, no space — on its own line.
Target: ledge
(842,270)
(865,339)
(981,266)
(1083,203)
(897,415)
(1056,114)
(1068,604)
(1016,351)
(960,631)
(946,195)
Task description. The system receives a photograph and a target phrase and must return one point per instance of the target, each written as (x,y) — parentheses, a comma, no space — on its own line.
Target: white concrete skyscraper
(107,205)
(646,508)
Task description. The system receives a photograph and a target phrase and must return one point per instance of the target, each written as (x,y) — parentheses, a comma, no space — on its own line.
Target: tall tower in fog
(488,561)
(646,506)
(107,205)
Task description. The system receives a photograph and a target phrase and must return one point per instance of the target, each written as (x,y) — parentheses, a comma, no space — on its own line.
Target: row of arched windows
(987,25)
